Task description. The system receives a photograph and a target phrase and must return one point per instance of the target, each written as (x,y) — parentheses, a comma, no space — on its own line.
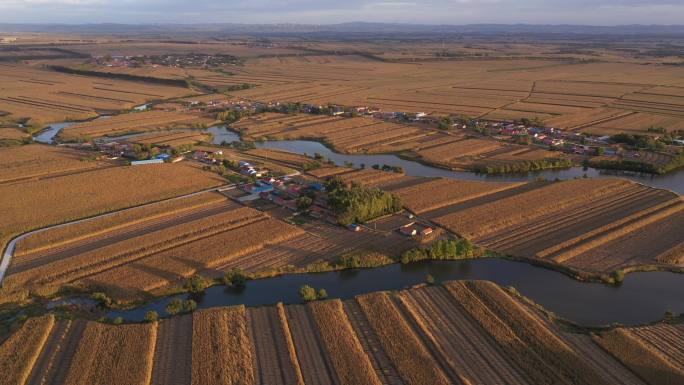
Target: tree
(102,298)
(197,284)
(235,278)
(322,294)
(151,316)
(178,306)
(303,203)
(430,280)
(307,293)
(445,123)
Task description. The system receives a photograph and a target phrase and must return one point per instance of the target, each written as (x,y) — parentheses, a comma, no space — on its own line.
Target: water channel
(641,298)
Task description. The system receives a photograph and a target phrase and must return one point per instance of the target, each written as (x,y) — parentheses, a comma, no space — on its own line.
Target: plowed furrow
(371,345)
(313,360)
(173,352)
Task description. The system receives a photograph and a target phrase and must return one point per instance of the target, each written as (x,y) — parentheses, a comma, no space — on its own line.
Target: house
(408,229)
(144,162)
(426,231)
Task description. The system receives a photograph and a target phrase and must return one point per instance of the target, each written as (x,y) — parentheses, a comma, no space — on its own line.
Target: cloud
(606,12)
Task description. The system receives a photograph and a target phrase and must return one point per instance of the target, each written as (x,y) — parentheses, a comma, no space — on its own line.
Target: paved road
(9,250)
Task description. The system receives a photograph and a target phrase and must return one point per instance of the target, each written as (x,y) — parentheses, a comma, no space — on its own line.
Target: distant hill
(354,28)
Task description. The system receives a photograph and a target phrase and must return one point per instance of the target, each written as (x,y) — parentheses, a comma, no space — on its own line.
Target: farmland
(32,204)
(134,122)
(461,332)
(160,245)
(364,135)
(600,225)
(152,246)
(42,96)
(172,138)
(36,161)
(597,226)
(600,97)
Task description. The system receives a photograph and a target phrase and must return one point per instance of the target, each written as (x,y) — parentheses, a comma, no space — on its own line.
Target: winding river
(672,181)
(641,298)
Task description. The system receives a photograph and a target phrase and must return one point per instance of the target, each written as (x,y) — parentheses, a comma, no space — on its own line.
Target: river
(641,298)
(673,181)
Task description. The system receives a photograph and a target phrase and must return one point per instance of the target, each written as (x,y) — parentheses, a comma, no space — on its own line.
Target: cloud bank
(586,12)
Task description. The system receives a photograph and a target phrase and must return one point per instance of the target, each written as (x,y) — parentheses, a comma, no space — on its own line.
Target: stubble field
(465,332)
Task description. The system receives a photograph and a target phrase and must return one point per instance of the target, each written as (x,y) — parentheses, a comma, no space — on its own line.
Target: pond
(47,135)
(641,298)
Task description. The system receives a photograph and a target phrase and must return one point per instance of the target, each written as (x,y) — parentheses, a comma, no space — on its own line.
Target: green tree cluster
(444,249)
(197,284)
(524,166)
(235,279)
(639,141)
(445,123)
(151,316)
(308,293)
(357,203)
(179,306)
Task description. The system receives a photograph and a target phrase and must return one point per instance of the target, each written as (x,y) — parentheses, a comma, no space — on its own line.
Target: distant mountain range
(354,28)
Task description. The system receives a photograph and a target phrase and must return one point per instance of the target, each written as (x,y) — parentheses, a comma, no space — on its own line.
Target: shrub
(118,321)
(197,284)
(102,298)
(151,316)
(307,293)
(430,280)
(235,278)
(322,294)
(178,306)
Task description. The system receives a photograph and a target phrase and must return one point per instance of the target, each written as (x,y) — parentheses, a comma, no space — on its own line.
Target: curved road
(9,250)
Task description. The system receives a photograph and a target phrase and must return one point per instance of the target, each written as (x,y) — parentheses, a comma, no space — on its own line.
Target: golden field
(39,161)
(32,204)
(43,96)
(133,122)
(461,332)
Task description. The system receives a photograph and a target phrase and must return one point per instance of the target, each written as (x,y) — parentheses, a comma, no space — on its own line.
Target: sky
(581,12)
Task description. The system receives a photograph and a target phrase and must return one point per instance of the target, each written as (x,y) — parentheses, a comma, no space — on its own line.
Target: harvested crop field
(153,246)
(172,139)
(443,192)
(461,332)
(564,94)
(220,347)
(106,226)
(45,96)
(133,122)
(368,135)
(593,225)
(9,133)
(37,161)
(110,354)
(39,203)
(321,242)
